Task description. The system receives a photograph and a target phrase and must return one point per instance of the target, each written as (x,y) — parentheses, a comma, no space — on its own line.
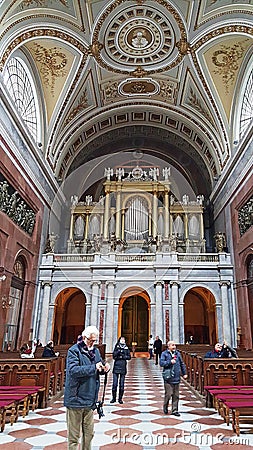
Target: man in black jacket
(157,349)
(121,354)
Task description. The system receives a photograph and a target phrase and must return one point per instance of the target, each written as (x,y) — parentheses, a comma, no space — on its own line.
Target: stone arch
(69,315)
(134,321)
(200,319)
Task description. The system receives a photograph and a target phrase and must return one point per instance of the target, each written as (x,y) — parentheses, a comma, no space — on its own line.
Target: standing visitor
(150,346)
(157,349)
(83,366)
(171,359)
(121,354)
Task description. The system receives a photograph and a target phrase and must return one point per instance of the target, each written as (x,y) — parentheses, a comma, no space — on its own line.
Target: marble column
(118,214)
(71,230)
(95,285)
(107,214)
(45,301)
(186,233)
(159,308)
(226,322)
(219,322)
(86,226)
(109,320)
(88,311)
(181,322)
(155,214)
(174,312)
(166,215)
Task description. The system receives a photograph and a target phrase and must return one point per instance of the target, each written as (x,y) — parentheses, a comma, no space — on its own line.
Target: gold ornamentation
(52,61)
(227,61)
(139,72)
(82,104)
(183,46)
(95,48)
(168,90)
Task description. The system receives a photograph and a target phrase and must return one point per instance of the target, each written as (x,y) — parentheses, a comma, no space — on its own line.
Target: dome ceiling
(167,72)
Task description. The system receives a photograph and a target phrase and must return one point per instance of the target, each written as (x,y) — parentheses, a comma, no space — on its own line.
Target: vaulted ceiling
(163,77)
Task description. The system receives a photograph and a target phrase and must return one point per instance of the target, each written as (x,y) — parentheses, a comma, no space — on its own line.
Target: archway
(134,318)
(69,316)
(199,316)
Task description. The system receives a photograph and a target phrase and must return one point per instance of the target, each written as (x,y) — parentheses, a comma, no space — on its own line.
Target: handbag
(167,374)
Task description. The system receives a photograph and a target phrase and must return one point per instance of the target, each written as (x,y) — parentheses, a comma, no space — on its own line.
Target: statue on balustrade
(220,241)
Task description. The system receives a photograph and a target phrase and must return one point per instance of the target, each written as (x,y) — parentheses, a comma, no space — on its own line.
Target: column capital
(95,283)
(46,283)
(225,283)
(174,283)
(159,282)
(113,283)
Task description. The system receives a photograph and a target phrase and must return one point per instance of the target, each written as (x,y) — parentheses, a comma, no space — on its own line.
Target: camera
(99,406)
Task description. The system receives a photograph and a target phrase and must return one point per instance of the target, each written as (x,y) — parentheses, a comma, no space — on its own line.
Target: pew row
(217,371)
(45,372)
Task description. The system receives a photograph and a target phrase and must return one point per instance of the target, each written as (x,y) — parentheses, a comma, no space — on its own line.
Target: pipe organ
(137,211)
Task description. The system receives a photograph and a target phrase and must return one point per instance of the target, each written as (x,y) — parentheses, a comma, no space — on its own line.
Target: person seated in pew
(48,351)
(221,351)
(26,351)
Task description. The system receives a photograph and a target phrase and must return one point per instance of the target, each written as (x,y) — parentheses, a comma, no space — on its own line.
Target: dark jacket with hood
(178,368)
(121,354)
(82,377)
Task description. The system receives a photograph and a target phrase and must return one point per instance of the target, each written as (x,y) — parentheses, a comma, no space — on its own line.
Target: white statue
(74,200)
(52,239)
(108,173)
(166,173)
(185,199)
(154,173)
(120,173)
(88,199)
(200,199)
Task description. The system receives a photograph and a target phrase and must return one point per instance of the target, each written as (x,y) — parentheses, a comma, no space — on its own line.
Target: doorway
(69,316)
(135,321)
(200,316)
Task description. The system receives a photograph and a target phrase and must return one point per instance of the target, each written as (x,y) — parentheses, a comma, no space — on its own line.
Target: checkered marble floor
(138,424)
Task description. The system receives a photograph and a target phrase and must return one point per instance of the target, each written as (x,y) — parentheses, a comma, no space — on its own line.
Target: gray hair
(88,331)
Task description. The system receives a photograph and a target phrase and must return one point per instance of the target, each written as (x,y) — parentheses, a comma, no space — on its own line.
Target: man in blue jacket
(83,366)
(171,359)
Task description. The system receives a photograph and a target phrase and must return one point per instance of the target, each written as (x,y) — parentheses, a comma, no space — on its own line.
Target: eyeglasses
(91,340)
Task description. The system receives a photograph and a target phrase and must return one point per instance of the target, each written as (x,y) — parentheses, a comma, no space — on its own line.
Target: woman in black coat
(121,354)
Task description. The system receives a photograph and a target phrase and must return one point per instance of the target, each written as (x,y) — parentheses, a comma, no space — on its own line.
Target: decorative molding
(51,33)
(226,61)
(82,104)
(53,63)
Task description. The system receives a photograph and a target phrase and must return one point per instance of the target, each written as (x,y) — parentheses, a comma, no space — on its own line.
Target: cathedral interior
(126,185)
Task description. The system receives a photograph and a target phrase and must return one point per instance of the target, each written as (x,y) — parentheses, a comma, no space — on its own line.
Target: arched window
(21,88)
(14,304)
(246,118)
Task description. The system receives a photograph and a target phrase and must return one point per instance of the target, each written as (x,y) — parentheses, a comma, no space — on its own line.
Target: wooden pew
(5,407)
(240,408)
(27,372)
